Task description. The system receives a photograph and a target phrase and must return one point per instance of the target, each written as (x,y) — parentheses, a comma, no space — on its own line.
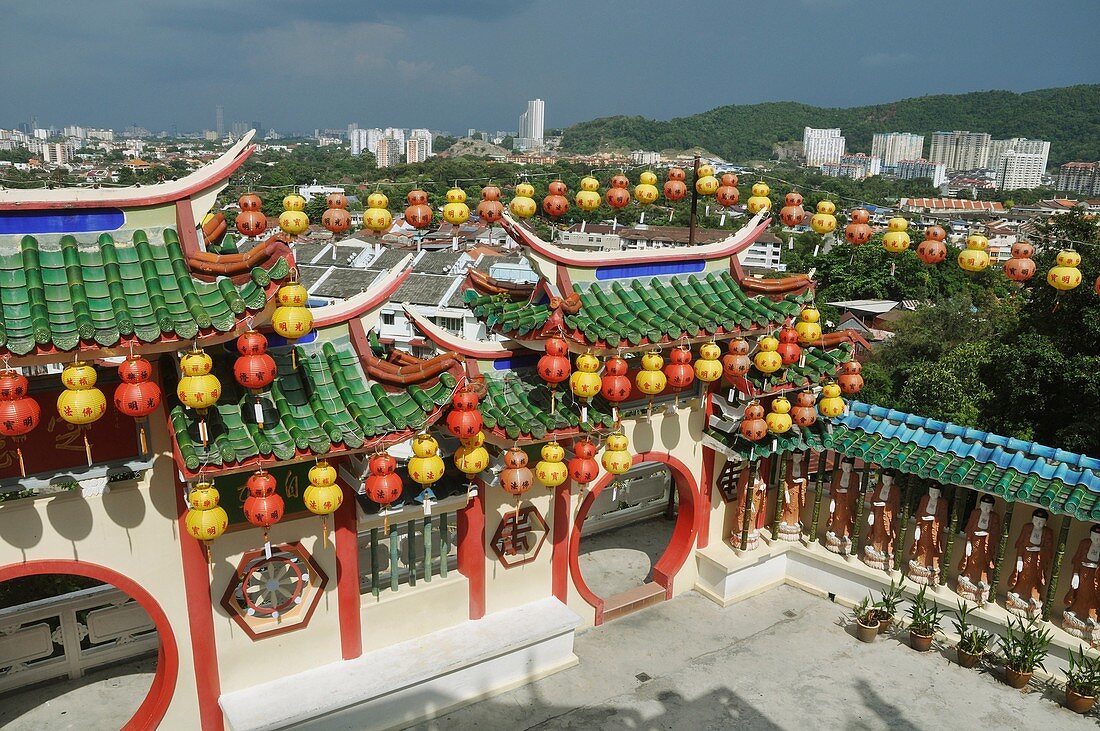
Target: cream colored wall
(512,587)
(411,612)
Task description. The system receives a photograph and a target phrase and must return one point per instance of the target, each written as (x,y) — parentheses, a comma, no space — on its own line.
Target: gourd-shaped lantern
(616,457)
(551,470)
(705,182)
(456,212)
(675,188)
(418,214)
(464,420)
(708,367)
(803,412)
(1021,267)
(1065,275)
(753,426)
(523,204)
(336,217)
(1096,286)
(792,214)
(615,385)
(264,506)
(858,232)
(824,221)
(736,363)
(198,389)
(555,203)
(377,217)
(490,210)
(678,372)
(292,318)
(426,467)
(779,418)
(323,496)
(830,404)
(727,194)
(974,257)
(808,326)
(293,220)
(383,485)
(19,413)
(516,478)
(136,395)
(254,369)
(618,195)
(472,458)
(251,221)
(767,360)
(932,250)
(585,382)
(850,379)
(651,379)
(205,519)
(553,367)
(588,197)
(896,240)
(759,201)
(645,192)
(583,468)
(81,403)
(788,346)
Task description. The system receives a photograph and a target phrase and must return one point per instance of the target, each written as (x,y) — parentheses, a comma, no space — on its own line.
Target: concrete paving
(104,698)
(619,559)
(784,659)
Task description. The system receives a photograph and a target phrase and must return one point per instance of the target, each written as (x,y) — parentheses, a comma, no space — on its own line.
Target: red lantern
(336,220)
(555,205)
(464,421)
(803,413)
(850,380)
(516,477)
(617,197)
(383,484)
(792,214)
(737,362)
(338,201)
(788,346)
(490,211)
(857,232)
(620,181)
(490,193)
(254,369)
(1020,267)
(264,506)
(1022,250)
(1096,287)
(250,202)
(675,190)
(19,413)
(554,367)
(251,221)
(677,174)
(753,426)
(615,385)
(932,250)
(679,372)
(419,213)
(583,468)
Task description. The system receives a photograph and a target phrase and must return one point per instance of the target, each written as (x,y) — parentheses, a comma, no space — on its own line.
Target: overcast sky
(453,64)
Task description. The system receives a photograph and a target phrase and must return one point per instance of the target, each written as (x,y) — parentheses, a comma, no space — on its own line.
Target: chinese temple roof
(517,406)
(60,297)
(1014,469)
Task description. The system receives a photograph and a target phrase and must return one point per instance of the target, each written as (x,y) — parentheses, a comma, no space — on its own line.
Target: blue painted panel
(275,341)
(629,271)
(62,221)
(523,361)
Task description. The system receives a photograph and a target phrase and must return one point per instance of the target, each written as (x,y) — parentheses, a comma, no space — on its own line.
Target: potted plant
(1082,681)
(1023,647)
(925,618)
(972,641)
(866,621)
(887,606)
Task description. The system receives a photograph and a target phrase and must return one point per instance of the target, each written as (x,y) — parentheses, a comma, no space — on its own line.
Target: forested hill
(1069,117)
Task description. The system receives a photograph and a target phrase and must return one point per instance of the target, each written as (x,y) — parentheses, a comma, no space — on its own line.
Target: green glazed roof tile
(518,404)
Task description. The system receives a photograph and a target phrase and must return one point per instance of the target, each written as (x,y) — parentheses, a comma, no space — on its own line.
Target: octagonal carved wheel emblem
(519,537)
(268,596)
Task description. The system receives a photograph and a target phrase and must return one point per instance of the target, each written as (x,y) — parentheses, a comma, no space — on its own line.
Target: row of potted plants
(1022,649)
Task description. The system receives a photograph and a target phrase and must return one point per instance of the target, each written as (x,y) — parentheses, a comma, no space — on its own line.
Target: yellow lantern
(323,496)
(708,367)
(706,169)
(1065,275)
(759,201)
(779,418)
(809,331)
(824,222)
(377,217)
(523,205)
(293,222)
(292,318)
(645,192)
(472,457)
(767,360)
(205,520)
(456,212)
(651,379)
(294,202)
(830,404)
(616,459)
(198,388)
(81,403)
(551,469)
(705,182)
(584,382)
(974,257)
(426,466)
(591,184)
(378,199)
(896,240)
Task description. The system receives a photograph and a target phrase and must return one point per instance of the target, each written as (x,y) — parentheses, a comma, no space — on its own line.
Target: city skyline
(173,63)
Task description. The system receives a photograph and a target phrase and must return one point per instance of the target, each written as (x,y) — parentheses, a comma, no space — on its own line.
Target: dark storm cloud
(451,64)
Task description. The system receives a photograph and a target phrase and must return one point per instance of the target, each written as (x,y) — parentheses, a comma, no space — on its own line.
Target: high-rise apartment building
(530,135)
(1080,177)
(921,168)
(219,120)
(395,133)
(56,153)
(893,147)
(822,146)
(998,148)
(364,140)
(1020,170)
(960,150)
(388,153)
(855,166)
(417,149)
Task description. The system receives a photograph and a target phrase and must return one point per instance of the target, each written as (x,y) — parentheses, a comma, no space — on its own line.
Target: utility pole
(694,204)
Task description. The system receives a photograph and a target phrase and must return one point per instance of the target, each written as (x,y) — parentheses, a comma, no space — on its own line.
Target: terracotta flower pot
(1079,703)
(884,625)
(867,632)
(920,643)
(1015,679)
(967,659)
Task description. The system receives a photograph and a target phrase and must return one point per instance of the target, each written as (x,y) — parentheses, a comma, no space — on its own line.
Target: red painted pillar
(559,559)
(471,549)
(706,482)
(347,576)
(200,617)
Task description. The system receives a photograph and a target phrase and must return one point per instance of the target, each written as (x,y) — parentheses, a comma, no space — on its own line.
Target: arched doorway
(90,621)
(664,563)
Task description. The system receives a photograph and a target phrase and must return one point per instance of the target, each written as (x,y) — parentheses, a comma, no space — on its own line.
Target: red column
(347,576)
(559,559)
(200,617)
(471,549)
(706,481)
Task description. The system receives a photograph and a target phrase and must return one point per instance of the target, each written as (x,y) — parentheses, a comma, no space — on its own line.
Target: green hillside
(1069,117)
